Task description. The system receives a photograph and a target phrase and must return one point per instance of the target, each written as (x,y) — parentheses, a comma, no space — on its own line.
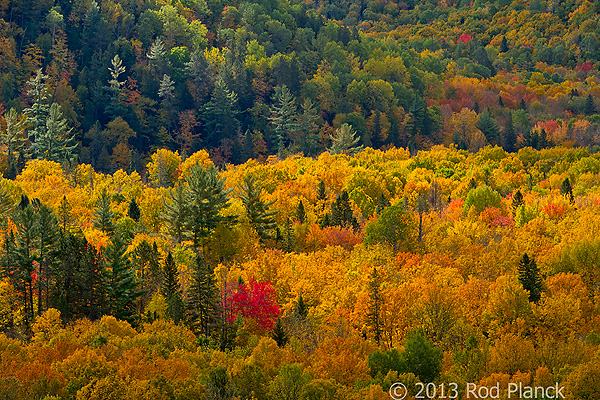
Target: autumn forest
(303,200)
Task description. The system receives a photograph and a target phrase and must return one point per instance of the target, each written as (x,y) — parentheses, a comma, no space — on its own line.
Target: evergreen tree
(261,218)
(13,137)
(301,309)
(500,101)
(283,116)
(341,212)
(517,201)
(375,304)
(220,115)
(170,289)
(279,334)
(37,114)
(203,299)
(176,211)
(510,139)
(122,284)
(207,197)
(344,142)
(55,143)
(503,45)
(64,214)
(530,277)
(321,191)
(202,77)
(116,106)
(522,105)
(134,210)
(146,262)
(103,215)
(420,122)
(590,107)
(308,124)
(567,190)
(288,238)
(47,235)
(300,213)
(7,204)
(489,127)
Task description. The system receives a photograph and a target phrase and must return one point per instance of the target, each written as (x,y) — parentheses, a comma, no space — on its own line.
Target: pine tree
(134,210)
(37,114)
(103,215)
(300,213)
(176,211)
(64,214)
(7,204)
(14,135)
(375,304)
(321,193)
(170,289)
(489,127)
(207,197)
(146,262)
(283,116)
(47,235)
(530,277)
(261,218)
(122,284)
(55,143)
(116,106)
(165,90)
(344,142)
(203,298)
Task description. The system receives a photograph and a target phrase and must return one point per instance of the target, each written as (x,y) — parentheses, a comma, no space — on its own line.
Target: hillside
(251,79)
(325,275)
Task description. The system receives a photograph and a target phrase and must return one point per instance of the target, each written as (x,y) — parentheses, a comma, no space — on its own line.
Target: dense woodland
(273,200)
(326,278)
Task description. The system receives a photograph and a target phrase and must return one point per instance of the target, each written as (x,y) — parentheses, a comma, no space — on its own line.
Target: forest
(304,200)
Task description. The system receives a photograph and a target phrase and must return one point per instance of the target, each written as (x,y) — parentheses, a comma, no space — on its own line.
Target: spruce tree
(567,190)
(517,201)
(279,334)
(301,309)
(134,210)
(170,289)
(203,299)
(382,203)
(47,235)
(122,284)
(261,218)
(510,138)
(207,197)
(308,121)
(220,115)
(300,213)
(341,212)
(64,214)
(489,127)
(530,277)
(590,107)
(176,211)
(55,143)
(103,215)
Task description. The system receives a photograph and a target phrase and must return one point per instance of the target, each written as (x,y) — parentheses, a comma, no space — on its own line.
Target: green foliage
(395,227)
(341,212)
(103,215)
(171,290)
(202,302)
(344,141)
(481,198)
(530,277)
(261,218)
(279,334)
(289,382)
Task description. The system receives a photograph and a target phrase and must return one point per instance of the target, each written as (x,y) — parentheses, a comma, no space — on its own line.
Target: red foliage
(554,211)
(256,301)
(584,67)
(495,217)
(465,38)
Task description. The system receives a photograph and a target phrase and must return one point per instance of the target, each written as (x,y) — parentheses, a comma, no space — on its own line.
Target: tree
(375,305)
(300,213)
(255,301)
(261,218)
(47,235)
(509,138)
(176,210)
(421,358)
(395,226)
(14,135)
(517,201)
(134,210)
(55,142)
(64,214)
(341,212)
(103,215)
(279,334)
(489,127)
(220,115)
(283,116)
(590,107)
(37,114)
(567,190)
(207,197)
(122,284)
(170,289)
(116,106)
(308,125)
(203,298)
(344,142)
(530,277)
